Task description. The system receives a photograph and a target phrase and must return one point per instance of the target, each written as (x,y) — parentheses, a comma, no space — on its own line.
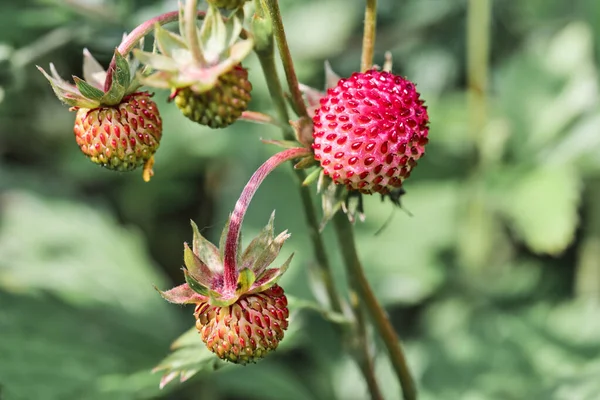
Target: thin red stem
(237,217)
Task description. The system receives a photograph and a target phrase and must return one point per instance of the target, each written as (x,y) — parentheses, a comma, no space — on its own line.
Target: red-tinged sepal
(214,298)
(270,277)
(196,267)
(206,251)
(303,128)
(258,244)
(67,92)
(182,294)
(93,72)
(270,253)
(121,79)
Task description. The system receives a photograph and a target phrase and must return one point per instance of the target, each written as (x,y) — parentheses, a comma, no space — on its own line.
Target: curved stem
(358,280)
(239,211)
(368,43)
(286,58)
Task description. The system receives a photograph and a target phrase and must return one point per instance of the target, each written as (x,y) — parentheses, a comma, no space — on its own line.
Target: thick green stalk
(368,43)
(358,281)
(286,58)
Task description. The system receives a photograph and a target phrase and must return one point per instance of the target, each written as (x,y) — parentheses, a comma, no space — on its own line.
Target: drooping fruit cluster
(227,4)
(369,131)
(119,128)
(222,105)
(204,71)
(122,137)
(244,323)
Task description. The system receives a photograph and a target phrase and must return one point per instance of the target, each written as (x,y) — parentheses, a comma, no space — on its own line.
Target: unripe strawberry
(370,130)
(222,105)
(246,330)
(116,126)
(227,4)
(122,137)
(242,323)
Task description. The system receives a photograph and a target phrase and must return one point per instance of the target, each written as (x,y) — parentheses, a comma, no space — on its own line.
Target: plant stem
(286,59)
(191,32)
(358,281)
(368,43)
(241,206)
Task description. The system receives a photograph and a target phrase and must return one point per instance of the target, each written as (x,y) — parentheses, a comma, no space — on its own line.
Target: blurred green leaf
(542,207)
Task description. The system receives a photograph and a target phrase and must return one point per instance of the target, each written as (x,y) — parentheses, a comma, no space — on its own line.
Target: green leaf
(189,357)
(88,90)
(206,251)
(121,79)
(542,207)
(197,268)
(245,280)
(167,41)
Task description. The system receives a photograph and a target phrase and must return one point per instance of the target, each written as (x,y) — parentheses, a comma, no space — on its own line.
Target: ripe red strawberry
(118,128)
(227,4)
(370,130)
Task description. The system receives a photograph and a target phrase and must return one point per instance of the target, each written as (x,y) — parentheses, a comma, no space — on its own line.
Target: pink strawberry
(370,130)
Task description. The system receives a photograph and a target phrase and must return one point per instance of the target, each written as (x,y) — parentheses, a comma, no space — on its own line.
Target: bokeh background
(493,282)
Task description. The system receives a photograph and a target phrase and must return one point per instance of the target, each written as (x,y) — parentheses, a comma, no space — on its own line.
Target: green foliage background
(493,283)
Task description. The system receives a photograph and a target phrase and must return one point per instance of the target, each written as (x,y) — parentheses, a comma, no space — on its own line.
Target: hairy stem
(286,59)
(368,43)
(358,281)
(239,211)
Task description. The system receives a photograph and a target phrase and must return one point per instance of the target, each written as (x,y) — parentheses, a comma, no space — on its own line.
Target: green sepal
(206,251)
(87,90)
(306,162)
(65,91)
(196,267)
(313,176)
(286,144)
(121,78)
(213,36)
(332,199)
(168,41)
(271,276)
(93,73)
(155,61)
(258,244)
(195,285)
(182,294)
(270,253)
(246,279)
